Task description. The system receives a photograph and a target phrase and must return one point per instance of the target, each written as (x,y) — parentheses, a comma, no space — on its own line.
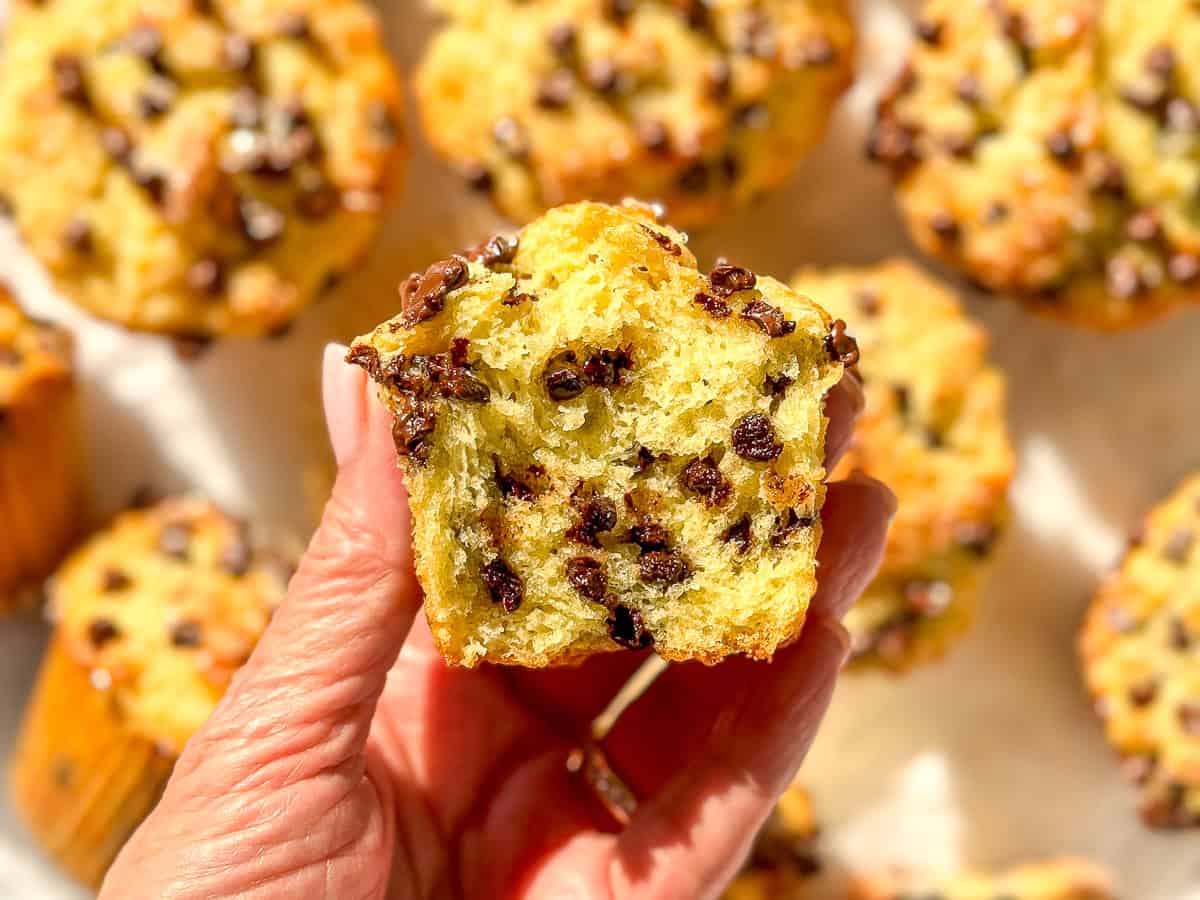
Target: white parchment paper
(990,758)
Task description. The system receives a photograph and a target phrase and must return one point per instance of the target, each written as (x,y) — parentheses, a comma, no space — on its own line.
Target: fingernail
(342,393)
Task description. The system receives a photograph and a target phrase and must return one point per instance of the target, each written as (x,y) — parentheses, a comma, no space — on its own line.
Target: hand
(348,761)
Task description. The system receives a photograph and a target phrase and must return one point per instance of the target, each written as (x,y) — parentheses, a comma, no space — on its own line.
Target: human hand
(347,760)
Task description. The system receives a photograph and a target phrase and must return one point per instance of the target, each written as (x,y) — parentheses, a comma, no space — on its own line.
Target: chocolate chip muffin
(605,447)
(194,167)
(935,430)
(701,106)
(1046,150)
(1060,879)
(784,859)
(153,616)
(41,484)
(1141,659)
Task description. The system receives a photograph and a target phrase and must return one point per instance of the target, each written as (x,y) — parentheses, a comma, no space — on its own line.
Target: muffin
(153,617)
(1140,646)
(1045,150)
(605,447)
(934,430)
(700,106)
(1060,879)
(41,483)
(784,860)
(192,167)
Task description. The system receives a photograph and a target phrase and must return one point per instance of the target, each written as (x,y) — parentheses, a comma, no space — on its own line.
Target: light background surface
(990,758)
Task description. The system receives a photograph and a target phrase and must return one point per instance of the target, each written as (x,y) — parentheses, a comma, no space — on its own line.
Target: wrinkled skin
(348,761)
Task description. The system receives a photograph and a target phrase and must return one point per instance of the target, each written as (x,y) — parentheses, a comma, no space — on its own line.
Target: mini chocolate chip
(116,143)
(596,516)
(752,115)
(606,368)
(653,135)
(725,279)
(145,41)
(1164,807)
(423,296)
(175,540)
(156,98)
(602,76)
(625,627)
(714,306)
(587,576)
(206,276)
(294,25)
(1179,545)
(525,486)
(704,477)
(101,631)
(516,298)
(694,178)
(238,53)
(777,385)
(186,633)
(78,236)
(1144,225)
(930,32)
(1061,145)
(663,567)
(382,122)
(510,136)
(945,226)
(563,40)
(996,212)
(644,459)
(786,525)
(767,317)
(662,240)
(840,345)
(739,534)
(555,90)
(478,176)
(317,198)
(978,537)
(1160,60)
(928,598)
(152,182)
(237,555)
(1107,176)
(1179,637)
(893,144)
(619,10)
(414,423)
(1143,693)
(498,250)
(504,586)
(563,377)
(114,579)
(1189,718)
(718,79)
(64,773)
(754,438)
(969,90)
(69,80)
(649,535)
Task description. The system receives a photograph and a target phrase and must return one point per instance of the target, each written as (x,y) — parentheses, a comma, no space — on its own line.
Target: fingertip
(855,522)
(343,396)
(843,405)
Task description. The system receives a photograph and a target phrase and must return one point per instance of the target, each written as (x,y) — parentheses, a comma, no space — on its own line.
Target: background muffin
(701,106)
(1061,879)
(197,168)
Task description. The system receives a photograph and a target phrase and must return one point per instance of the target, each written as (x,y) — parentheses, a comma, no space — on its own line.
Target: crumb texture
(41,485)
(605,447)
(1141,657)
(1047,150)
(701,106)
(196,168)
(934,429)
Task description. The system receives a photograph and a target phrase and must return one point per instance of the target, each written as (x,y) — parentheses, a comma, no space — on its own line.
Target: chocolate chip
(739,534)
(704,477)
(1143,693)
(751,115)
(1061,146)
(238,53)
(1016,29)
(317,198)
(625,627)
(524,486)
(117,144)
(1160,60)
(152,182)
(69,80)
(841,346)
(1144,225)
(945,226)
(714,306)
(186,633)
(237,555)
(555,90)
(893,144)
(754,438)
(206,276)
(563,40)
(694,178)
(786,525)
(725,279)
(718,79)
(516,298)
(423,296)
(587,576)
(414,422)
(928,598)
(145,41)
(606,368)
(156,98)
(777,385)
(996,212)
(1106,175)
(649,535)
(503,584)
(930,32)
(295,26)
(63,773)
(1164,807)
(767,317)
(653,135)
(478,176)
(382,121)
(78,236)
(114,579)
(663,567)
(101,631)
(602,76)
(619,10)
(643,460)
(1178,635)
(510,136)
(1179,545)
(977,537)
(563,377)
(596,516)
(498,250)
(175,540)
(6,207)
(969,90)
(663,241)
(261,223)
(1189,718)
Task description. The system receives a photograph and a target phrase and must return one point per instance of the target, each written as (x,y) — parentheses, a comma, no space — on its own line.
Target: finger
(727,768)
(309,690)
(843,405)
(854,524)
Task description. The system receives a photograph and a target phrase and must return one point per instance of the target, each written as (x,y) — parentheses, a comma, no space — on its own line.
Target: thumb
(303,704)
